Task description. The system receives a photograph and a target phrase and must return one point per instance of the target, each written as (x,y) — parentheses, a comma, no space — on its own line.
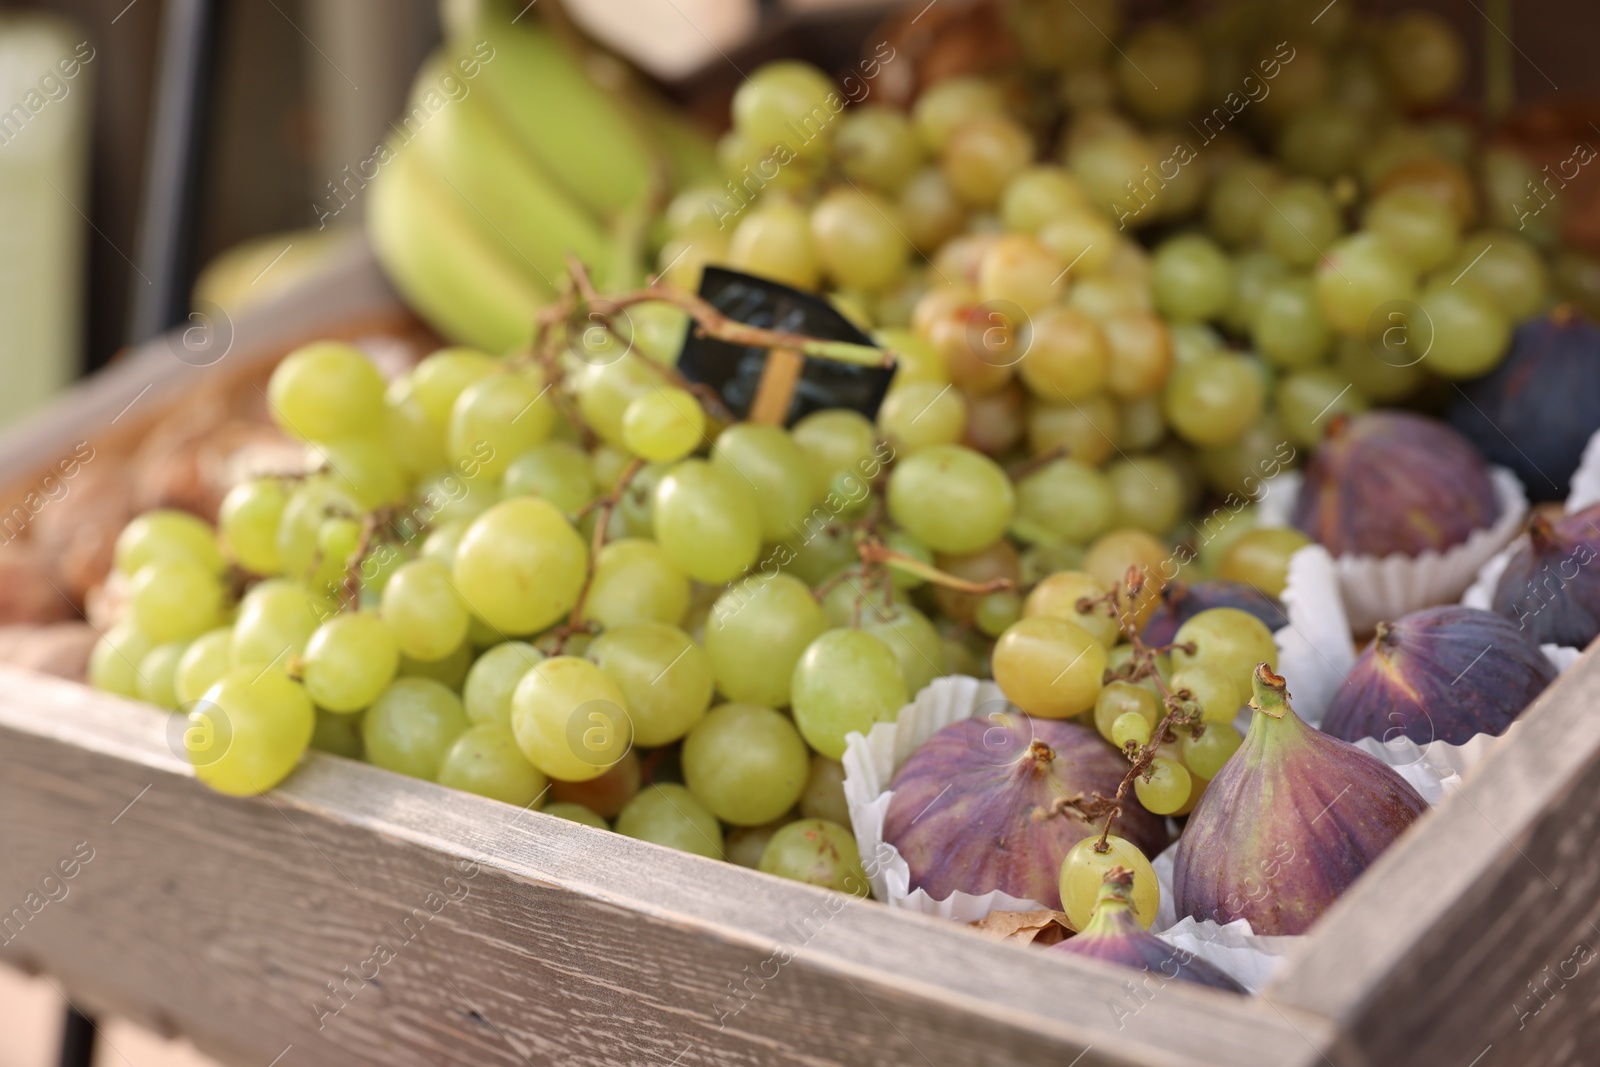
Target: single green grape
(1165,787)
(773,240)
(157,680)
(492,679)
(664,676)
(951,498)
(114,660)
(664,425)
(1038,196)
(575,813)
(746,763)
(859,243)
(1060,593)
(1287,328)
(707,521)
(339,735)
(745,844)
(349,661)
(824,793)
(1362,273)
(1119,699)
(1084,869)
(364,469)
(411,726)
(1301,223)
(485,760)
(204,660)
(570,719)
(165,534)
(1212,688)
(877,146)
(1192,278)
(327,390)
(786,102)
(769,461)
(1232,640)
(917,415)
(1069,356)
(1214,399)
(174,600)
(1308,399)
(950,103)
(521,565)
(450,671)
(755,635)
(249,731)
(1470,334)
(248,522)
(846,681)
(1422,227)
(423,610)
(668,814)
(498,418)
(442,377)
(1049,667)
(1131,727)
(634,581)
(558,471)
(835,440)
(1149,493)
(1069,498)
(1206,753)
(997,611)
(913,639)
(819,853)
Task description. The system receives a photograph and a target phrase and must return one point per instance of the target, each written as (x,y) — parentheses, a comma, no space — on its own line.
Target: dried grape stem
(872,550)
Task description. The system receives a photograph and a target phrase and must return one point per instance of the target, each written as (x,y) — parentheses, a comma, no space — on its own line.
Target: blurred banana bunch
(515,151)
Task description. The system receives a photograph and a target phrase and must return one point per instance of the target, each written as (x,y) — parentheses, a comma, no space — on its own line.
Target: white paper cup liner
(1375,589)
(1315,651)
(1584,489)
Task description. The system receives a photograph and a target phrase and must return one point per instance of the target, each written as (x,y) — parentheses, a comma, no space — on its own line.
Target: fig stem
(1271,696)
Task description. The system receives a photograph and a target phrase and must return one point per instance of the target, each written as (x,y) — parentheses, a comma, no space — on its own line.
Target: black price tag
(736,371)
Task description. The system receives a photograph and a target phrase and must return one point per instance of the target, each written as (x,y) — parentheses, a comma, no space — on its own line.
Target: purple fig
(1390,481)
(1180,603)
(1113,934)
(1536,411)
(1548,588)
(1440,674)
(1289,822)
(978,806)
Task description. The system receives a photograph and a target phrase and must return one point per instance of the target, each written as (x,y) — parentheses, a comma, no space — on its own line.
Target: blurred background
(153,152)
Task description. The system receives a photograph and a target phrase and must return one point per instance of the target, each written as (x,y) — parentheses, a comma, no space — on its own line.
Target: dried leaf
(1025,927)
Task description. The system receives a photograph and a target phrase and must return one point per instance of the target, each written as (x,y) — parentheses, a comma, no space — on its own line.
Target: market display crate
(354,915)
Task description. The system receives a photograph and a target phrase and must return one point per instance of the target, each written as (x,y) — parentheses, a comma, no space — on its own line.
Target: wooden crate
(358,916)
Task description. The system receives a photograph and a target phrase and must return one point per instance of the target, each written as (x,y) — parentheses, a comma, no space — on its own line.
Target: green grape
(1214,400)
(1212,688)
(1049,667)
(1142,425)
(157,678)
(338,540)
(1288,329)
(633,508)
(746,763)
(327,390)
(1237,467)
(423,610)
(607,382)
(442,542)
(665,678)
(915,359)
(521,565)
(411,726)
(634,581)
(1237,205)
(162,535)
(1121,699)
(349,661)
(918,415)
(819,853)
(1058,595)
(1307,399)
(1070,499)
(497,418)
(850,603)
(1141,354)
(1148,492)
(1423,57)
(995,612)
(1106,165)
(787,102)
(1379,374)
(1086,429)
(1038,196)
(570,719)
(1470,335)
(768,460)
(174,600)
(877,146)
(1361,274)
(914,641)
(339,735)
(485,760)
(450,671)
(1068,355)
(494,677)
(1018,269)
(1422,227)
(756,634)
(441,378)
(1165,787)
(824,793)
(452,498)
(1084,869)
(275,621)
(1130,727)
(248,522)
(1177,61)
(1301,223)
(311,503)
(1229,639)
(114,660)
(361,468)
(774,241)
(1324,140)
(835,440)
(846,681)
(1206,753)
(558,471)
(205,659)
(707,520)
(415,444)
(951,498)
(664,425)
(249,731)
(575,813)
(858,241)
(746,843)
(668,814)
(1509,271)
(950,103)
(1192,278)
(982,155)
(1255,271)
(930,211)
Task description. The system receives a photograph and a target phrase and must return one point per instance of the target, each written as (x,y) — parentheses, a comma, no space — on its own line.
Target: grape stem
(872,550)
(607,505)
(1035,464)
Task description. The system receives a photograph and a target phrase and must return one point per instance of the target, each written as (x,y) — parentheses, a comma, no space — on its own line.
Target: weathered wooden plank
(225,920)
(1474,940)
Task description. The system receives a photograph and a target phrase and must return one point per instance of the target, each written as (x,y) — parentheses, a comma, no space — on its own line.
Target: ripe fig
(1536,411)
(976,809)
(1440,674)
(1390,482)
(1548,588)
(1180,603)
(1114,934)
(1288,823)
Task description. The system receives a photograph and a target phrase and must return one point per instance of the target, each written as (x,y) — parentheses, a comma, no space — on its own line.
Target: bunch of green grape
(1117,312)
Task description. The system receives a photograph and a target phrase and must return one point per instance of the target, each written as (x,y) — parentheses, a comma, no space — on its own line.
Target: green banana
(569,124)
(459,282)
(502,189)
